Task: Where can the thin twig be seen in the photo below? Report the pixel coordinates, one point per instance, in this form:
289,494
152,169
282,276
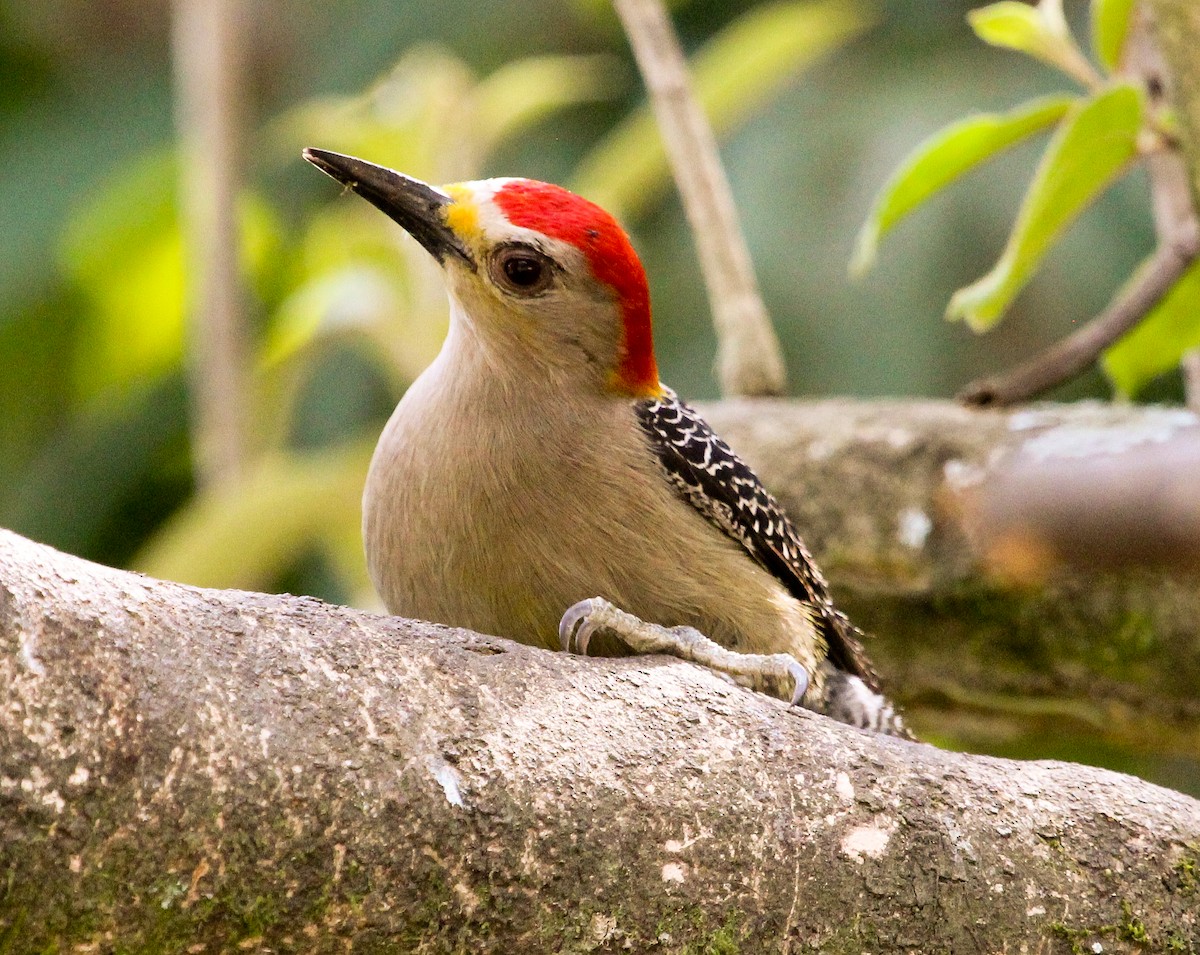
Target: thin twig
1178,232
208,75
749,359
1077,351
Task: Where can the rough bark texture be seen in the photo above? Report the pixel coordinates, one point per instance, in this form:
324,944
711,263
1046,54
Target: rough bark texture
190,770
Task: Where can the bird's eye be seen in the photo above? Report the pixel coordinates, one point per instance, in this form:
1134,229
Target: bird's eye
522,270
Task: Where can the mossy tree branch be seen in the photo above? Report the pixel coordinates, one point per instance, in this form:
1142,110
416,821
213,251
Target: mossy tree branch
198,770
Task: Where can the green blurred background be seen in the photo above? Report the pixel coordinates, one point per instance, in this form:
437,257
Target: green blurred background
93,406
94,440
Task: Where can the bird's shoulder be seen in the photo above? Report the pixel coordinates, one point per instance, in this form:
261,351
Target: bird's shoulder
709,475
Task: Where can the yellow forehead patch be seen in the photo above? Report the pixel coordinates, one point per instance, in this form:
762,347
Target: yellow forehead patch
463,215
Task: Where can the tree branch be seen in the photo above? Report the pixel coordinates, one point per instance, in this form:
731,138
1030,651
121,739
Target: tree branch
1178,237
216,769
749,358
1176,26
1177,29
1066,358
1088,648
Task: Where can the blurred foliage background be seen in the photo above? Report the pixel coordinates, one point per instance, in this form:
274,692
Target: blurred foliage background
94,446
815,106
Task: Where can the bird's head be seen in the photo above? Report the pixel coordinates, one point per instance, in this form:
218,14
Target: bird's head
532,268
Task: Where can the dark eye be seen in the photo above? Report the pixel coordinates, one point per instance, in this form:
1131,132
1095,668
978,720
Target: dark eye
522,270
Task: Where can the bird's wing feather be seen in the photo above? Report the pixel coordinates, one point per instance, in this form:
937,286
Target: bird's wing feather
714,480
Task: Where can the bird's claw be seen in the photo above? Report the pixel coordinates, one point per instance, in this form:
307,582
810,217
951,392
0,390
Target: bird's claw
577,625
800,675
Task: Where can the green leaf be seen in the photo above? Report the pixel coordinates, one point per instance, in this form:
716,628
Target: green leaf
355,299
123,250
733,75
1015,25
1040,31
944,157
1110,27
1093,146
431,117
368,286
1159,341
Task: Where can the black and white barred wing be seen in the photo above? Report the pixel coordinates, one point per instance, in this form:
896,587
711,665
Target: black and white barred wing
714,480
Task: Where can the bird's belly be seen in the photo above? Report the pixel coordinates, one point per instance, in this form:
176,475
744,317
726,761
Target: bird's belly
445,544
485,535
467,563
478,560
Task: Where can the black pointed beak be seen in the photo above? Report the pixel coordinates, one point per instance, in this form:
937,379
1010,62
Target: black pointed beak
416,206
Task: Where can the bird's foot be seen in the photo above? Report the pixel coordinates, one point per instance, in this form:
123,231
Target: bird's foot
776,674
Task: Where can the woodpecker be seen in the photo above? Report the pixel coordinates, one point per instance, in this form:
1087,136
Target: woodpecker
539,482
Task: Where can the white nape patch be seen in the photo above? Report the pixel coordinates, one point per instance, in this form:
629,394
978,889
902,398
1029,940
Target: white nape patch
486,188
494,224
868,842
844,787
912,527
447,777
674,872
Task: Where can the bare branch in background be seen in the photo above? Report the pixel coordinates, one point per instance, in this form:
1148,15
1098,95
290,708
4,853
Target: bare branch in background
749,359
207,45
1066,358
1120,507
888,493
1178,234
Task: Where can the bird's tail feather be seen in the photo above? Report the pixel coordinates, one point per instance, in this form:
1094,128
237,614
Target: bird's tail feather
848,699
